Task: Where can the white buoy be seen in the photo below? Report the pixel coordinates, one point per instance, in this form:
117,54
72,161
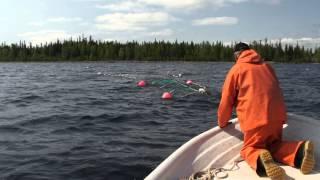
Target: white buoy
202,90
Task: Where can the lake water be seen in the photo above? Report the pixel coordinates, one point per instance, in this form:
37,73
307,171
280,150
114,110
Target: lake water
90,121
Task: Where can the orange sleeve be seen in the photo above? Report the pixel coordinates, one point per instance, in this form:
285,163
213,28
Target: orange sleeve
228,98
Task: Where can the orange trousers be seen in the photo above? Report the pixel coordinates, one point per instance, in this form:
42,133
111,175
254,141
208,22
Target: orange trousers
268,137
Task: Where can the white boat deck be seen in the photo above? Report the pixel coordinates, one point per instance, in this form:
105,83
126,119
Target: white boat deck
245,172
220,148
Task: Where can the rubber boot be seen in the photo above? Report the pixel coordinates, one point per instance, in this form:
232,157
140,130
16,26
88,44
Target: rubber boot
272,170
305,157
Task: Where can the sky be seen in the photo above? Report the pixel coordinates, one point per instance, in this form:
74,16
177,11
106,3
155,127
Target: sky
40,21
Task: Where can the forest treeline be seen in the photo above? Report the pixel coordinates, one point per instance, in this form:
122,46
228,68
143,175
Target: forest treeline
83,49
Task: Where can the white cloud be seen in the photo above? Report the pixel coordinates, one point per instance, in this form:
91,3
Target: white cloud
307,42
190,4
215,21
64,19
138,5
46,36
123,6
174,3
88,1
110,39
272,2
228,43
132,21
162,33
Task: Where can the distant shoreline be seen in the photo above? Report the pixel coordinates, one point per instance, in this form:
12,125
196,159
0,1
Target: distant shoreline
87,49
146,61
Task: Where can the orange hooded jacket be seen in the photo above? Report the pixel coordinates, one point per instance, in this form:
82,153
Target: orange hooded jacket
252,87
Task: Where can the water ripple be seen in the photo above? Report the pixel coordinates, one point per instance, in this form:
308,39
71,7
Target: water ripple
68,121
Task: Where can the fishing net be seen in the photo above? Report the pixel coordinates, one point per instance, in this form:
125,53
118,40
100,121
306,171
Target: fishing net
176,87
173,84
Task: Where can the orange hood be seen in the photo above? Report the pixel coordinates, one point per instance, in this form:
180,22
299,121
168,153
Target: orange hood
249,56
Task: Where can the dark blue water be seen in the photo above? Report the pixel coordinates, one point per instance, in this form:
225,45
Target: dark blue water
89,120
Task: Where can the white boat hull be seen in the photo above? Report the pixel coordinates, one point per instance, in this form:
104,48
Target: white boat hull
220,148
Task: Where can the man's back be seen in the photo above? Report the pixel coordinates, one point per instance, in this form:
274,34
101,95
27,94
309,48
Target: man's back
254,90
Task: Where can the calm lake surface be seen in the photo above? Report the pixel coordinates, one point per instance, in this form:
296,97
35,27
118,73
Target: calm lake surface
90,121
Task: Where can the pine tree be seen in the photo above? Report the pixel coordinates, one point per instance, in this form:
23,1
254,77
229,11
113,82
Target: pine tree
88,49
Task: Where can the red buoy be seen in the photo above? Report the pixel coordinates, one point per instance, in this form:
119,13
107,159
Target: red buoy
189,82
167,95
142,83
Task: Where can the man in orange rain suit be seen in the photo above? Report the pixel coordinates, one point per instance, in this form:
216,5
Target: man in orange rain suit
252,87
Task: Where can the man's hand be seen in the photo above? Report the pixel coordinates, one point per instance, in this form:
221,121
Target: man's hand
225,125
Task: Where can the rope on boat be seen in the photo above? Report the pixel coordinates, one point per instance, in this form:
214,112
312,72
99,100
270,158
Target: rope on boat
214,173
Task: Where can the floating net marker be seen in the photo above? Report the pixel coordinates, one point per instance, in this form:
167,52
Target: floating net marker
172,85
167,96
142,83
177,88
